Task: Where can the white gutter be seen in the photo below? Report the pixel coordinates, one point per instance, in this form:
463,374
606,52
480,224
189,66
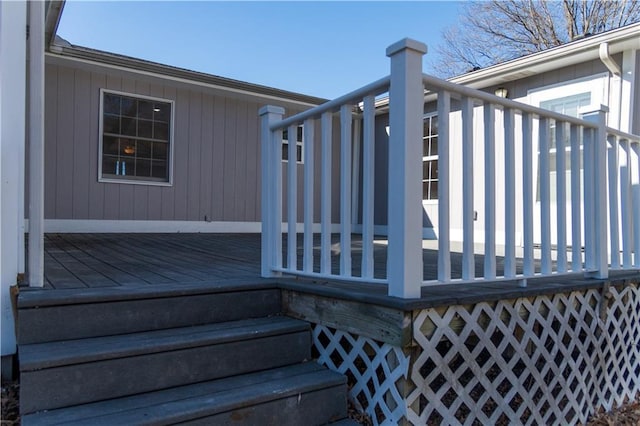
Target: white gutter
574,52
607,60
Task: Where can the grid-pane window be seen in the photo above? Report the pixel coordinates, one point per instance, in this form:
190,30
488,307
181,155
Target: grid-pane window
430,158
136,138
285,145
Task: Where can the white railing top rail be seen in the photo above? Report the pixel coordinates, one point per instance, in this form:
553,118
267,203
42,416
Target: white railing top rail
373,89
623,135
431,81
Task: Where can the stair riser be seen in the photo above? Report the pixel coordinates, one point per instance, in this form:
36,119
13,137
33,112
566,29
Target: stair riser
83,383
54,323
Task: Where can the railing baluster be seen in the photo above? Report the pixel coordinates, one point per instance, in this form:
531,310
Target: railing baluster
345,190
444,238
589,209
545,195
561,196
368,177
509,194
626,205
489,191
468,213
614,224
308,153
355,168
528,268
576,205
635,189
292,198
325,194
276,197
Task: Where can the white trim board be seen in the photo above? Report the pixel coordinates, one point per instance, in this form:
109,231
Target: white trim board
77,226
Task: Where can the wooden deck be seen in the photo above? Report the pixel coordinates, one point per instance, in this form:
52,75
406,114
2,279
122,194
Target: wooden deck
82,268
108,260
141,261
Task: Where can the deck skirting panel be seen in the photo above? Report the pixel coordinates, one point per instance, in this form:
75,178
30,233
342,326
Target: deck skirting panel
545,359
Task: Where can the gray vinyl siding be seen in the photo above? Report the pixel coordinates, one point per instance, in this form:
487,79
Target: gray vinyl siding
216,154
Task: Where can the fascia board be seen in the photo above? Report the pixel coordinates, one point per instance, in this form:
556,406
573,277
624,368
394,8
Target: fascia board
120,63
584,50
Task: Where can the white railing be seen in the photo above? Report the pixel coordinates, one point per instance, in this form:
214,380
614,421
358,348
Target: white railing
356,108
595,224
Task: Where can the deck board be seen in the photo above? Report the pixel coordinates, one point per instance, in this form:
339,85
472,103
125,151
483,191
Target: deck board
85,261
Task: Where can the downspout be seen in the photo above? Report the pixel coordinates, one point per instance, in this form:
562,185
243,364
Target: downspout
608,61
614,118
36,143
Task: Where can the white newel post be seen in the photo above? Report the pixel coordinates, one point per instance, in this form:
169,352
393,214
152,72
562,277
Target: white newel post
595,172
406,102
271,240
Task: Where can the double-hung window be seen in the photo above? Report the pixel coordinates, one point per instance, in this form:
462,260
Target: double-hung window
430,158
135,139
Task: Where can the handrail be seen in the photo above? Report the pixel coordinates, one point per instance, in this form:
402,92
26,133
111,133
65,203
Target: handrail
333,105
488,97
623,135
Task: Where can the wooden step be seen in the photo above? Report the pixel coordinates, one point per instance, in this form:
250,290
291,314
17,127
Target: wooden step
47,315
66,373
302,394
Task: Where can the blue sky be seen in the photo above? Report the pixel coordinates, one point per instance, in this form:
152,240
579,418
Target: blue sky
324,48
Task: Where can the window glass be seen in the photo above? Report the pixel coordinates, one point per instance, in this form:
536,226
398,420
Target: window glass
299,145
430,158
567,105
135,138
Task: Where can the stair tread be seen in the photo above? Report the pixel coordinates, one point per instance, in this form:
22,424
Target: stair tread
33,298
54,354
196,401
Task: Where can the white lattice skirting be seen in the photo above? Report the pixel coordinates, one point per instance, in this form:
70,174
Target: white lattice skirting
543,360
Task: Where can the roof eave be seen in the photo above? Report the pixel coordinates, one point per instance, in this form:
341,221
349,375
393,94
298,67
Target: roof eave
66,50
583,50
53,12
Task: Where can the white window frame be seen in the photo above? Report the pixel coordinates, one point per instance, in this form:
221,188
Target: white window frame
429,157
597,85
299,143
170,150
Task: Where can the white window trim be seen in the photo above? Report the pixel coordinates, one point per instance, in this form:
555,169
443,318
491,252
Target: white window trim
597,85
101,135
285,145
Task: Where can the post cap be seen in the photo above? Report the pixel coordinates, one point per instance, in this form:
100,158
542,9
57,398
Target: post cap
592,109
407,43
271,109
